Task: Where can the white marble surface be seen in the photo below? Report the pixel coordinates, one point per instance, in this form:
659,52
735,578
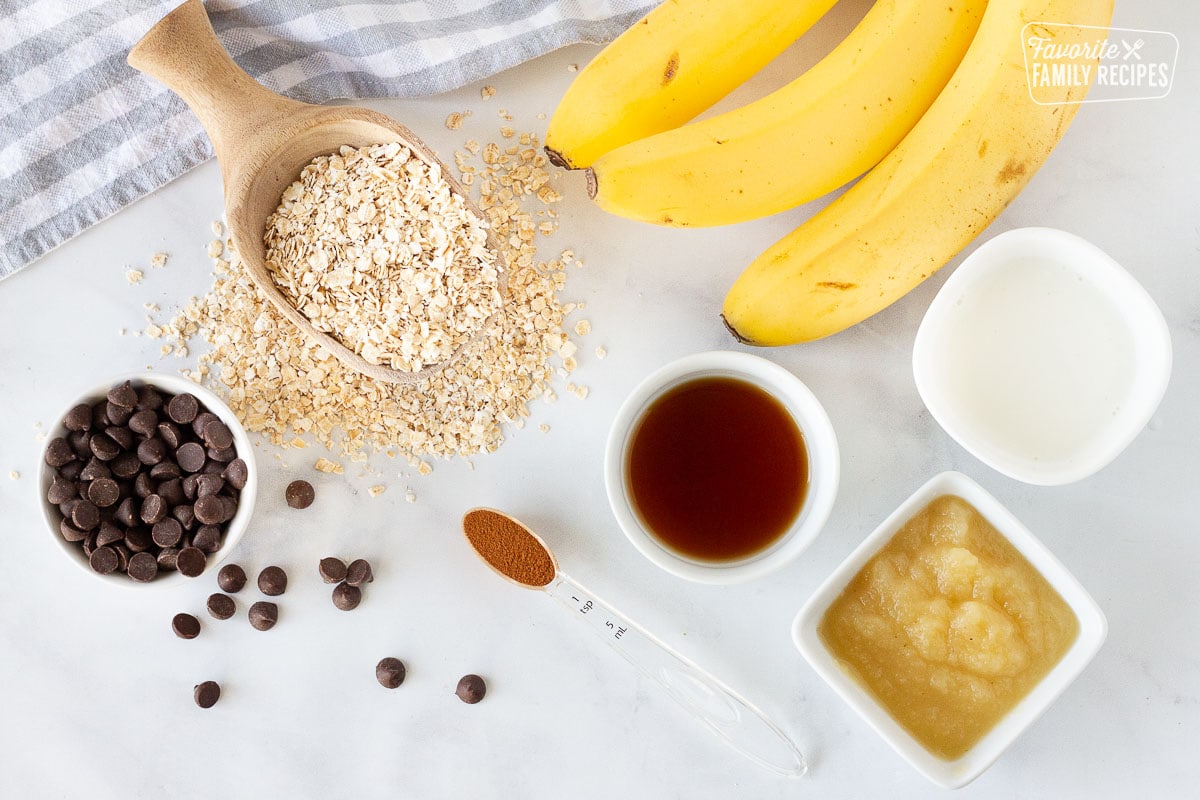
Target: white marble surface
95,691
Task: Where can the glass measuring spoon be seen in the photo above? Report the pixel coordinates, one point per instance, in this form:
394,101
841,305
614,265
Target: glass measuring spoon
519,555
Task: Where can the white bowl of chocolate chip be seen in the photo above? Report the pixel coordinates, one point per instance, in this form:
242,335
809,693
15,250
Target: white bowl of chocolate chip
147,480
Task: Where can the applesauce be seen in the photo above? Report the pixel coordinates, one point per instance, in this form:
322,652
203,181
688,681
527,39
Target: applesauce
948,626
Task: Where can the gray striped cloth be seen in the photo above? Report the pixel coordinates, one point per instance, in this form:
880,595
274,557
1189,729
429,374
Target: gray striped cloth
82,134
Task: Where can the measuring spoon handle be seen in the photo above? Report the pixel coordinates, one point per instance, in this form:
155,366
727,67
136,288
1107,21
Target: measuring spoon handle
183,52
722,710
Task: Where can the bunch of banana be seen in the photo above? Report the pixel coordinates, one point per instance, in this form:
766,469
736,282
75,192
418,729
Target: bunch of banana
823,129
960,166
678,60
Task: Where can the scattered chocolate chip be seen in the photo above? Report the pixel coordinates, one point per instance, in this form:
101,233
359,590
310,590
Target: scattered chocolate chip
231,578
123,395
359,572
471,689
104,560
346,597
300,494
186,626
390,672
207,694
191,561
332,570
272,581
182,408
79,418
263,615
59,452
221,606
142,567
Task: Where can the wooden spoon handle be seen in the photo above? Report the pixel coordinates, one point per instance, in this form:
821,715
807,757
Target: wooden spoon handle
183,52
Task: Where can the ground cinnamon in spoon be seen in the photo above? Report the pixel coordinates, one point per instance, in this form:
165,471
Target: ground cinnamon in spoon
508,547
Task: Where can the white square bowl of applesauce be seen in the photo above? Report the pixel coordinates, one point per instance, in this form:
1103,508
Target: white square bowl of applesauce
950,629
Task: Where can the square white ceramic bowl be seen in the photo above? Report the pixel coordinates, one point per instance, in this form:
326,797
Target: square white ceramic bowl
1042,356
824,463
171,384
1092,629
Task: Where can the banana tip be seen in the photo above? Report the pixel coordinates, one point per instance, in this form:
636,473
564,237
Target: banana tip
734,332
557,158
590,175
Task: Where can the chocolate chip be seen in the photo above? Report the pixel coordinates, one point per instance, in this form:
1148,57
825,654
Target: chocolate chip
104,492
104,560
190,486
201,422
123,556
346,597
182,408
169,433
165,471
207,538
390,672
236,473
144,423
332,570
471,689
221,606
185,626
95,468
191,561
103,447
300,494
272,581
223,456
359,572
109,534
209,484
71,470
171,490
79,418
217,435
149,398
61,491
191,457
85,515
206,694
100,419
127,512
229,507
143,487
151,451
209,510
59,452
123,395
89,544
138,539
70,532
117,414
231,578
167,532
167,558
154,508
185,516
263,615
81,444
126,465
213,467
142,567
122,436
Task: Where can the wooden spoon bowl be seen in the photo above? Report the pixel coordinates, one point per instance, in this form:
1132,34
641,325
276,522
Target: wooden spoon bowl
263,141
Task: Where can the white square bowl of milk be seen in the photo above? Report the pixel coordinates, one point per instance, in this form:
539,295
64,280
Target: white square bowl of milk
1042,356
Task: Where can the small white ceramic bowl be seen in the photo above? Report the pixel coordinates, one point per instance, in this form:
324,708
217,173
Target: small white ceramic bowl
1092,630
824,464
1042,357
171,384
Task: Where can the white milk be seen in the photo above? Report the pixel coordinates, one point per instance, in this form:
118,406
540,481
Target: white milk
1035,360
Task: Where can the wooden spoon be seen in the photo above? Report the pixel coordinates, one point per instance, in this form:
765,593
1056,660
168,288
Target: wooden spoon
263,141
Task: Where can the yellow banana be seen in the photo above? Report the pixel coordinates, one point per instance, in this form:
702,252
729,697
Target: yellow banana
960,166
675,62
821,130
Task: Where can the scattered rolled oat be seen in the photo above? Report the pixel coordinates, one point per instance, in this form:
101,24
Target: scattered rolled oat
325,465
282,385
572,68
544,428
158,260
583,327
410,496
215,248
218,230
134,275
14,475
487,92
601,352
377,490
455,120
374,247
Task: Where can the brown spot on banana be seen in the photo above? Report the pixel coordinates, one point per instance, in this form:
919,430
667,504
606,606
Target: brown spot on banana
672,68
1011,171
983,148
839,285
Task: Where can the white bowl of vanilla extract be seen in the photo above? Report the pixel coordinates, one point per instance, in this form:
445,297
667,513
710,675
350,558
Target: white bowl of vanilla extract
721,467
